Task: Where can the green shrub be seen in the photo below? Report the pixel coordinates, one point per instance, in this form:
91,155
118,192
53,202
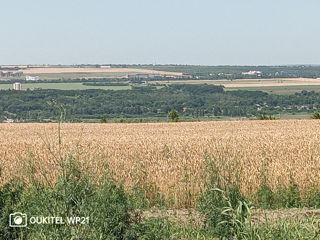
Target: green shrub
264,116
265,196
288,196
103,119
146,195
312,197
157,229
316,114
10,196
222,204
74,195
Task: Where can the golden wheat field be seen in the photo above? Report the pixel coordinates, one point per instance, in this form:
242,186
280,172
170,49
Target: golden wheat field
169,157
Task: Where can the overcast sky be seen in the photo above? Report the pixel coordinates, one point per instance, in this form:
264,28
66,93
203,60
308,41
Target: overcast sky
206,32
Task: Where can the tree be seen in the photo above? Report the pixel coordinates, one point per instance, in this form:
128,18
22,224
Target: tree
264,116
174,115
316,114
103,119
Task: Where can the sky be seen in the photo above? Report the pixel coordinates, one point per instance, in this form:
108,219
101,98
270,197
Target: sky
199,32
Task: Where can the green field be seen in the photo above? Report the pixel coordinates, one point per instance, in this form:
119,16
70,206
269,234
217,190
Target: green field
63,86
281,90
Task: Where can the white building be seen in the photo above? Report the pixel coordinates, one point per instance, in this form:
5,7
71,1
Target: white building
17,86
252,73
31,78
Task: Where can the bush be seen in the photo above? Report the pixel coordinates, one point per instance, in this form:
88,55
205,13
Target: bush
104,205
222,205
156,228
264,116
289,197
265,196
316,114
10,196
312,197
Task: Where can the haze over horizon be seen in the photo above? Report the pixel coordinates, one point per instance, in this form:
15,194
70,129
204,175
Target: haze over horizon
203,32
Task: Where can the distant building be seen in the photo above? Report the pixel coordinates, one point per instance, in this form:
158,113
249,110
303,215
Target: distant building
17,86
252,73
32,78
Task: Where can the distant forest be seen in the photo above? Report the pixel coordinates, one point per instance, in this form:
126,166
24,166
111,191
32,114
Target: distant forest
192,101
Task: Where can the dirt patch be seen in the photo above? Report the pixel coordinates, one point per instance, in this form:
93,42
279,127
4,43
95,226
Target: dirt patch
192,216
179,216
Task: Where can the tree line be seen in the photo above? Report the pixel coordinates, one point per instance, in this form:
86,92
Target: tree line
192,101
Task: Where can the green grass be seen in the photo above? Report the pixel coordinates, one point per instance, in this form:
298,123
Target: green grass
302,115
63,86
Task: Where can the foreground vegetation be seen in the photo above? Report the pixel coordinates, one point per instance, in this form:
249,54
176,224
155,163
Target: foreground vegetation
220,211
114,214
